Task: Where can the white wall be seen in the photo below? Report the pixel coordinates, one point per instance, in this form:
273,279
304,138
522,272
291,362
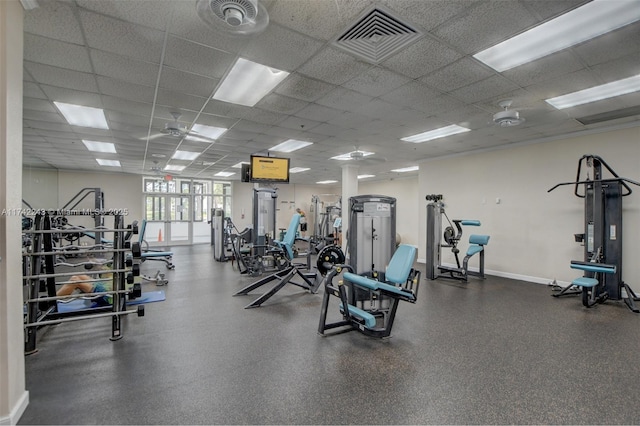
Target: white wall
532,230
40,187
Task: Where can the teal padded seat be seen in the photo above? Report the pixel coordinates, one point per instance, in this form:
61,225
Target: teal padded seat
290,236
598,268
396,273
477,244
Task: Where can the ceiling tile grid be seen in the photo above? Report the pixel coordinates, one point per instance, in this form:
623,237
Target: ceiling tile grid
144,60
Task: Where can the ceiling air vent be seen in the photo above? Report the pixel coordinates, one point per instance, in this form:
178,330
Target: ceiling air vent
376,36
610,115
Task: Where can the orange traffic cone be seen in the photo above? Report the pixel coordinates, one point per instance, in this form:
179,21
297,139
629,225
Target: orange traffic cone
160,235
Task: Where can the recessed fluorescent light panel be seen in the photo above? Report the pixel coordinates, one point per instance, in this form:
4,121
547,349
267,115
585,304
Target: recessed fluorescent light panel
248,82
210,132
298,169
597,93
174,168
185,155
82,116
239,165
224,174
586,22
290,146
100,146
365,176
349,155
323,182
407,169
436,134
111,163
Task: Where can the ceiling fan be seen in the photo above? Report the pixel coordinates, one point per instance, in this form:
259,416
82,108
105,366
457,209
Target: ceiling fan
233,17
507,117
178,130
361,157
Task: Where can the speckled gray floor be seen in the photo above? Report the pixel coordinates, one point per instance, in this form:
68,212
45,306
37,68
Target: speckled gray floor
491,352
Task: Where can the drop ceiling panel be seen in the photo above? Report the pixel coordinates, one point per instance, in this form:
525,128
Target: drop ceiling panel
282,104
486,89
72,96
422,57
343,99
123,38
123,68
197,58
469,33
376,81
32,90
280,48
457,74
545,69
608,47
38,105
61,77
333,66
55,20
176,80
122,89
318,113
176,100
300,87
151,13
298,15
56,53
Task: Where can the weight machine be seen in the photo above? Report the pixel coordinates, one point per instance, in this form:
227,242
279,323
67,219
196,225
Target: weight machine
378,275
602,237
451,237
251,245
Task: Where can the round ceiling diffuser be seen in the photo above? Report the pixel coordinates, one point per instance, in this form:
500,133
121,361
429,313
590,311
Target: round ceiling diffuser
233,17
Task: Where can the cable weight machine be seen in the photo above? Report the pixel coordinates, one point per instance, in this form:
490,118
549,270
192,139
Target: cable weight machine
602,237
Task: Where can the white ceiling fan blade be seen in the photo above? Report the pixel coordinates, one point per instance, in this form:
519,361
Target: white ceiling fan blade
199,137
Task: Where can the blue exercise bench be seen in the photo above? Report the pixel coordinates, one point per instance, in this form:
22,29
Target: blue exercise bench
592,289
283,250
373,314
158,255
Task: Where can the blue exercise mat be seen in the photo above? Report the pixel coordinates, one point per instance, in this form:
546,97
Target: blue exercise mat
84,304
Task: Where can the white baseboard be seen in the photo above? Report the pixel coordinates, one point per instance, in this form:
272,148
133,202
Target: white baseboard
17,411
520,277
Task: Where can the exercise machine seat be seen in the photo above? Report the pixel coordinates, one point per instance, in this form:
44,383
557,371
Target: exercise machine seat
396,273
477,244
590,267
290,236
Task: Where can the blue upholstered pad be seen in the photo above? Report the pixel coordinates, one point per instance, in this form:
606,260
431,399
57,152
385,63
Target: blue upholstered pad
467,222
83,304
369,320
400,264
585,282
474,249
370,284
483,240
595,267
156,254
290,236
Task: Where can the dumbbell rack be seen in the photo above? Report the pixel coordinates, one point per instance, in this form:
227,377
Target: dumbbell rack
40,262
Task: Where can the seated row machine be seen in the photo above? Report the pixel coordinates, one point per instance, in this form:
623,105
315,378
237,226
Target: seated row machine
451,237
367,304
283,252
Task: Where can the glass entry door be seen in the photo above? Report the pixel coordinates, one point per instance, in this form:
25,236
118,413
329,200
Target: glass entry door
169,223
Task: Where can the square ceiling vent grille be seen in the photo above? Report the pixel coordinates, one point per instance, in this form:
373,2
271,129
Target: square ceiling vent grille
376,36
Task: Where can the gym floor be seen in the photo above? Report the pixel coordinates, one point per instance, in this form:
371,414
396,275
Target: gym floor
496,351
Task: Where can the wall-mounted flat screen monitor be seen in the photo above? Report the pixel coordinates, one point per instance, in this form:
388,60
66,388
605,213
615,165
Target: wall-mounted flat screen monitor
269,169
